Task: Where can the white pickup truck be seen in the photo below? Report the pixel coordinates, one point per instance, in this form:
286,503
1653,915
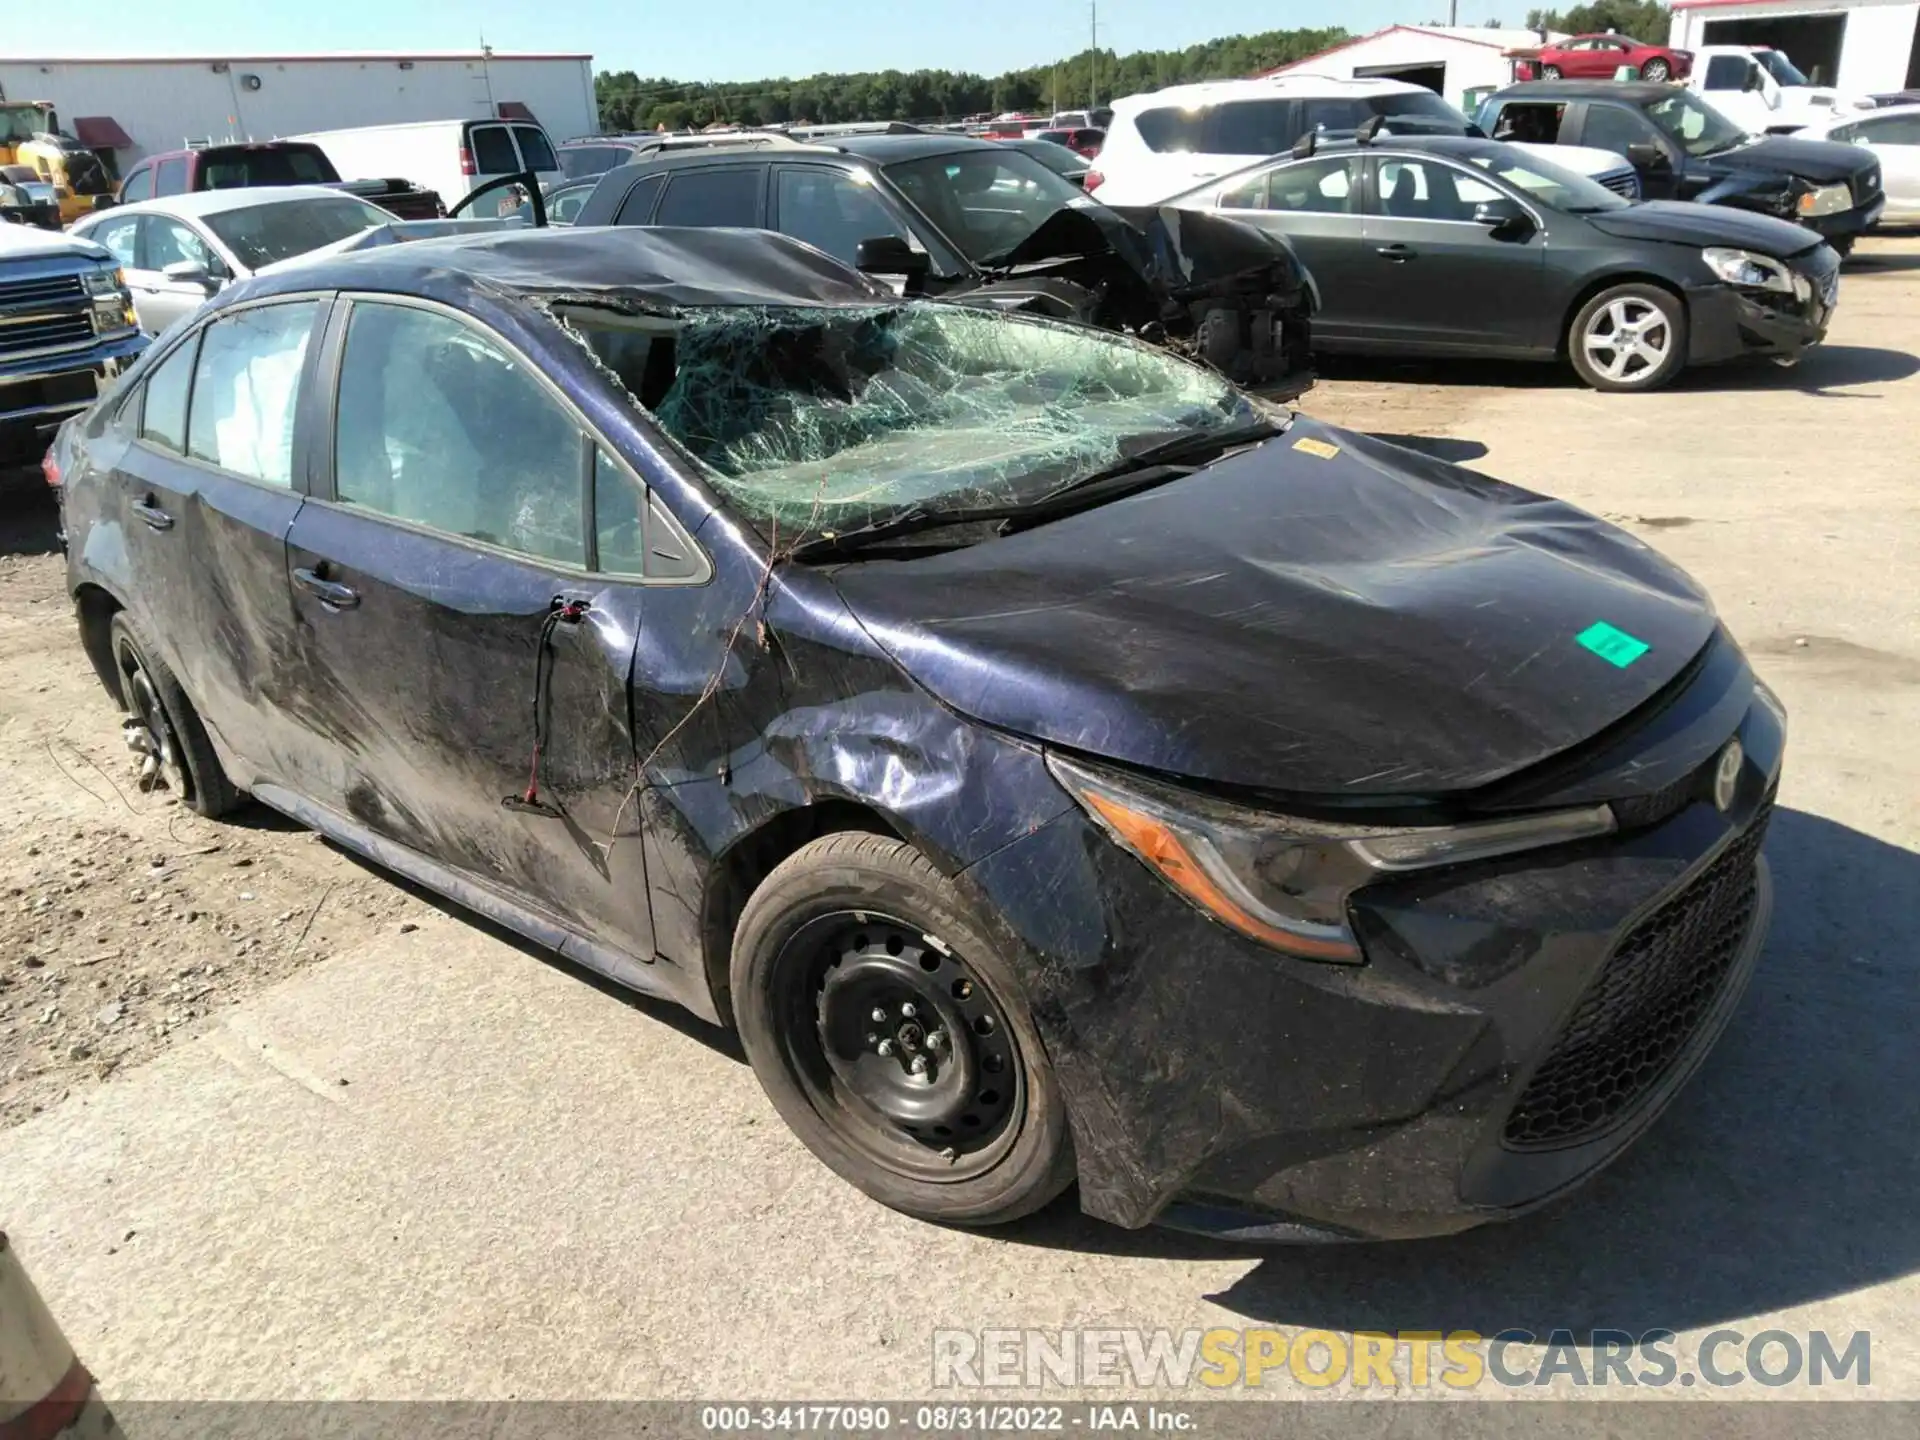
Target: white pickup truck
1762,91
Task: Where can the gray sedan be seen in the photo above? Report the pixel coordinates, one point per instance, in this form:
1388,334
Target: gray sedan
180,249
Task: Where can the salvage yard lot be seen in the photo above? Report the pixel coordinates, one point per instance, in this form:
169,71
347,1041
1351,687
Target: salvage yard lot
278,1127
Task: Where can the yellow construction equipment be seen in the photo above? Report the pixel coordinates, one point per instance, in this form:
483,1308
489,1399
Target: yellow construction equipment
30,134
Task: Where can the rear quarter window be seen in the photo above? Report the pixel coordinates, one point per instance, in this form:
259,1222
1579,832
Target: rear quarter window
1173,131
637,208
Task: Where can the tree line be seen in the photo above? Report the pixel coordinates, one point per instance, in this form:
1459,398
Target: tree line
632,102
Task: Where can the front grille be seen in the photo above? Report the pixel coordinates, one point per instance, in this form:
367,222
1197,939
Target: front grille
1647,1003
44,290
1642,812
1626,182
46,332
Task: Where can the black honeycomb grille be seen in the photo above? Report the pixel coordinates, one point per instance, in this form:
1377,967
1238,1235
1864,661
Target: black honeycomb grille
1647,1003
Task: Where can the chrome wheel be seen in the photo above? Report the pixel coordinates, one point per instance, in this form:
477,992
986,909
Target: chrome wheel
1550,72
146,727
1656,71
1628,340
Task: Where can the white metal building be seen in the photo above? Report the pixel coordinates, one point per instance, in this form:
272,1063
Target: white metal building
1454,61
1864,46
135,106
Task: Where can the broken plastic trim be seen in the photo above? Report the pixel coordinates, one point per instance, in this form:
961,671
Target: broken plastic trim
1285,881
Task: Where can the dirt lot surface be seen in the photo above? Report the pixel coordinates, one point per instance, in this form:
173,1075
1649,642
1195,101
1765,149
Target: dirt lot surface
273,1126
125,919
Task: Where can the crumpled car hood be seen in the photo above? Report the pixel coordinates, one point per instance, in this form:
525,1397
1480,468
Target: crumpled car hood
1370,623
1824,161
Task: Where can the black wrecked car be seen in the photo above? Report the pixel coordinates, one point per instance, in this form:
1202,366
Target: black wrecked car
1450,246
982,223
1057,766
1684,149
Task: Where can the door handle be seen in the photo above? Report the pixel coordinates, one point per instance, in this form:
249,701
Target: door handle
1398,252
331,593
152,514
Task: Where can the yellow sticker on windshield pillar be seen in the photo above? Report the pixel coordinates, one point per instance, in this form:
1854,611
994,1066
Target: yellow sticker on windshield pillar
1317,447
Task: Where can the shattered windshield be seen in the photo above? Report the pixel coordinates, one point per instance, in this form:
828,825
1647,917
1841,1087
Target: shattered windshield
838,419
985,201
1700,129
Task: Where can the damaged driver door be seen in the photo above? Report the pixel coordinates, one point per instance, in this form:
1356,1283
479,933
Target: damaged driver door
466,667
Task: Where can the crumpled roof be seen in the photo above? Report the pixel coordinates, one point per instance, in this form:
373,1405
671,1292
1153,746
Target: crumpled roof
672,266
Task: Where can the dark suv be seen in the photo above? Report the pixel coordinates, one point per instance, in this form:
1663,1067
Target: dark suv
955,218
1684,149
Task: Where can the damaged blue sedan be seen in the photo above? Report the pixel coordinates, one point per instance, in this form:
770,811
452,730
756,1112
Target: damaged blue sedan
1059,767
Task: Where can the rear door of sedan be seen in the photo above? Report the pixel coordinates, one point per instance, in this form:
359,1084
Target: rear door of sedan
1315,206
470,580
208,483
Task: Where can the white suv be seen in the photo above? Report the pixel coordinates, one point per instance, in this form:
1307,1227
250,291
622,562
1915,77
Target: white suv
1166,143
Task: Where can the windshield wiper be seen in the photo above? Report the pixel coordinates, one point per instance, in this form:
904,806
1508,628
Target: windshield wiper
1141,470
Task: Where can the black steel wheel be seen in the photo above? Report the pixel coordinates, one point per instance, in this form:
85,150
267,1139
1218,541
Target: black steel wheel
891,1037
162,727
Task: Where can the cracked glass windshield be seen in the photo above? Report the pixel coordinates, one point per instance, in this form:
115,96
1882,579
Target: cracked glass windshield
840,419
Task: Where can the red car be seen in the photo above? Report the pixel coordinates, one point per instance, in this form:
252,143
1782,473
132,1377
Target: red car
1083,142
1598,57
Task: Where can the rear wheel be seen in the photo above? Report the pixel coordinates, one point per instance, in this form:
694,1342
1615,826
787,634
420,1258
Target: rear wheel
1549,72
1629,338
890,1036
1656,70
160,724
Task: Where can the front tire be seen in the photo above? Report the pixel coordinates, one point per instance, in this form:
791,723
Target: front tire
892,1038
1656,70
1629,338
1549,72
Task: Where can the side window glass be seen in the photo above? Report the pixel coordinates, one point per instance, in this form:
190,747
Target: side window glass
1331,113
171,178
1727,72
439,425
139,186
1319,187
1248,194
171,243
634,533
831,211
1529,124
1253,127
1422,190
1173,131
163,413
713,197
637,209
245,383
1613,127
493,152
120,236
536,151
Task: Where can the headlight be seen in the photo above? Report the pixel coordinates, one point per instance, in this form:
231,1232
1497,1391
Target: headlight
111,313
1743,267
1827,200
1285,881
104,281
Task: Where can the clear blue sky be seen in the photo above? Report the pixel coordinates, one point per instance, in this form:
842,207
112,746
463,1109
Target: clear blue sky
707,39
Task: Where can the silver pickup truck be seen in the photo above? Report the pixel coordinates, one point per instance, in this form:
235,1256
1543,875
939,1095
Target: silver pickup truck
66,332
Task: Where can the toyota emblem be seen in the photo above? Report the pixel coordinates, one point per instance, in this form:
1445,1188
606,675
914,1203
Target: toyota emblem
1726,779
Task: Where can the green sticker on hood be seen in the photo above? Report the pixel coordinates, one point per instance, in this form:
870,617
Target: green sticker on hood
1612,645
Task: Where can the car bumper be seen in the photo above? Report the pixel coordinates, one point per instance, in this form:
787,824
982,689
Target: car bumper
1849,223
38,392
1729,323
1517,1024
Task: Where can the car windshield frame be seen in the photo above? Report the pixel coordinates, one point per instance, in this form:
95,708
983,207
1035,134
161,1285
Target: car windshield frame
830,420
1553,186
1717,133
256,250
929,184
1783,70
